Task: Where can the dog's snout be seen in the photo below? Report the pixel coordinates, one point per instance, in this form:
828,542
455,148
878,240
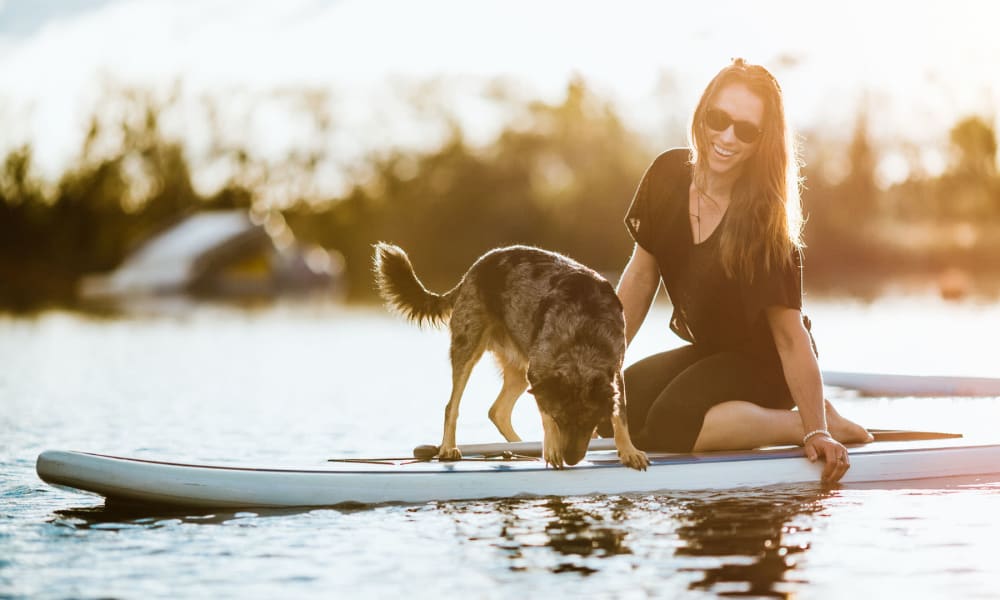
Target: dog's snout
574,456
576,449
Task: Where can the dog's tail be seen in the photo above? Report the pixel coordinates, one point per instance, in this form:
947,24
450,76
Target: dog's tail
398,285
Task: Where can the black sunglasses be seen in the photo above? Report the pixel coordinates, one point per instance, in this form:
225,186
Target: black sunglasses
719,120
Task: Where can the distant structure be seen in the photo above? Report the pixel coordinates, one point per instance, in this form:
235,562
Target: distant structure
221,254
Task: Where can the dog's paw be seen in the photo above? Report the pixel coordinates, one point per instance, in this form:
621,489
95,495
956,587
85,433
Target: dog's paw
553,457
452,453
635,459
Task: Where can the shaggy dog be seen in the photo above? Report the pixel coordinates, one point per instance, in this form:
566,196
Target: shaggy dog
549,321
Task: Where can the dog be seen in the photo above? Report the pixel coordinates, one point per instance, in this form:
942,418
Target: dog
551,323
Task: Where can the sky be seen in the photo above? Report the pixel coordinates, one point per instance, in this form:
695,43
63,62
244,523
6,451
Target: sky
919,66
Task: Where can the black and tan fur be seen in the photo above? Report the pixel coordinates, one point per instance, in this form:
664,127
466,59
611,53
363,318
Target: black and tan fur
549,321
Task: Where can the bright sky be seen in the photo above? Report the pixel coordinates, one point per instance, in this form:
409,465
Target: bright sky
922,65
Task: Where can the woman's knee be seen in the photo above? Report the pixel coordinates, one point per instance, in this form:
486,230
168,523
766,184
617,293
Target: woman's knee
653,373
646,379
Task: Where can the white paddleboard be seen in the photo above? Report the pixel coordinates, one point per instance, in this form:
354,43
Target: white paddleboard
887,384
332,483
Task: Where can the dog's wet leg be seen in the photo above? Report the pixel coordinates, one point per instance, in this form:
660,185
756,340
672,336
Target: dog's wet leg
514,383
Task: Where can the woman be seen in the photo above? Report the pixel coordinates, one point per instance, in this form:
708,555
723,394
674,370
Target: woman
720,224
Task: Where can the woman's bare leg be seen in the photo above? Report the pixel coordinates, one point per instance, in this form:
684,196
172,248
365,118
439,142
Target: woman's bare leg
740,425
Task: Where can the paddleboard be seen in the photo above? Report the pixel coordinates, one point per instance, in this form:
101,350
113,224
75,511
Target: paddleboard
504,476
887,384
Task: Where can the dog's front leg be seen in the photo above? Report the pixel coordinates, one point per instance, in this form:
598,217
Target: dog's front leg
551,442
627,452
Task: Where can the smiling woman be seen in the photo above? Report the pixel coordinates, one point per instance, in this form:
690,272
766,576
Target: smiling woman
732,270
740,130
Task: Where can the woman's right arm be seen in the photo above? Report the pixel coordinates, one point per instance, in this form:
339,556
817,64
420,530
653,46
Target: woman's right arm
637,289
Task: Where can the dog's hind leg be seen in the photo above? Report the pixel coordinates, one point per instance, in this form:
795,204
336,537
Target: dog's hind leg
467,346
515,381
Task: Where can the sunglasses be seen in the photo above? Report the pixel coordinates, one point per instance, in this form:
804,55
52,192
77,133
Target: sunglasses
719,120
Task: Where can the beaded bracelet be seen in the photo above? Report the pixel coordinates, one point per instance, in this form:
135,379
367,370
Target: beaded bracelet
813,434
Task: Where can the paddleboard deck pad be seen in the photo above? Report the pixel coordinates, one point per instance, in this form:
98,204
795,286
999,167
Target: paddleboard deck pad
376,481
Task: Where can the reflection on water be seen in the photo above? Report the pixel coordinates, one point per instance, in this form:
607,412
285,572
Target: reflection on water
574,532
124,515
571,532
756,529
744,543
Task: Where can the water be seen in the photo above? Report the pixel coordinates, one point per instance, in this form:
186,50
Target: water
294,383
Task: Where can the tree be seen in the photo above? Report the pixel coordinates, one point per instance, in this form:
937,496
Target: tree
975,146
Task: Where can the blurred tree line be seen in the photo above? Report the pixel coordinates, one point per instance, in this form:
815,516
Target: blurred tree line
559,179
943,228
558,176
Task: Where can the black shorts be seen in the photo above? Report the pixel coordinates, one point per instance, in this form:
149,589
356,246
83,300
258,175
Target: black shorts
668,394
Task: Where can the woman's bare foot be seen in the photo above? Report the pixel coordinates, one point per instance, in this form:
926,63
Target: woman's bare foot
844,430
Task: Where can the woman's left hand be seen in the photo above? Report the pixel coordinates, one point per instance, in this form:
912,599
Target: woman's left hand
833,453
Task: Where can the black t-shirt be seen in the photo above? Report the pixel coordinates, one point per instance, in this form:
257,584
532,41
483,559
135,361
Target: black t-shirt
711,309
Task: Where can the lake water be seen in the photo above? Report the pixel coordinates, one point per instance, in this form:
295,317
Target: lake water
293,383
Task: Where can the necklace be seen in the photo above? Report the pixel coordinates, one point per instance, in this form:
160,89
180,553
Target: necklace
697,208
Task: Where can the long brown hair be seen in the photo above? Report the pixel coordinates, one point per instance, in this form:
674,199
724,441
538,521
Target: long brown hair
765,212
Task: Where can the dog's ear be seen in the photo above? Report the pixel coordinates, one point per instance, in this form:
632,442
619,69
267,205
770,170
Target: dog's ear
549,383
603,388
539,385
534,381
